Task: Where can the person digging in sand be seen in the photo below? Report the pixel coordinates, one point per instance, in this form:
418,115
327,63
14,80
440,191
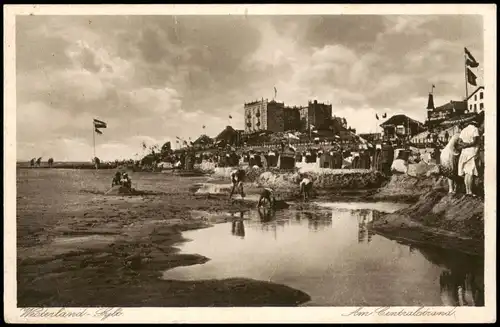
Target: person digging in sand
267,195
116,179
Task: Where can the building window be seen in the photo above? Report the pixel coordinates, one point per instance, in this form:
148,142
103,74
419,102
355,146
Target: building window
481,95
475,107
470,107
481,106
475,97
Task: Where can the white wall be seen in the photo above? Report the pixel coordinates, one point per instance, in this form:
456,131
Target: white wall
475,103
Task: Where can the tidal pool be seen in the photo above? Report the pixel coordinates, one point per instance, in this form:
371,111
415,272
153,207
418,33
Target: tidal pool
332,255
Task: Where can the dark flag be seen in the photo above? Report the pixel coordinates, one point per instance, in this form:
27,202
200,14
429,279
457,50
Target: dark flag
471,78
384,115
204,126
472,64
470,60
376,116
98,131
99,124
230,117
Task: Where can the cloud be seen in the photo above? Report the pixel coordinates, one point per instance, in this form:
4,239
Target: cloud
164,76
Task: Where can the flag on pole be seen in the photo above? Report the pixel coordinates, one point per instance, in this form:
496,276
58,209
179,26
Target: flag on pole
204,126
275,91
291,136
99,124
384,115
230,117
470,60
471,78
376,116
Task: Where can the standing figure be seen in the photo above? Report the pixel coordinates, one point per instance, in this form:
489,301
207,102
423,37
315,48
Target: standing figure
38,161
306,187
237,177
469,143
387,156
448,166
50,162
32,163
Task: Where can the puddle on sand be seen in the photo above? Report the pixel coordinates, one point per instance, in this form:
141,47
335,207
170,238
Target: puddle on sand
333,256
215,217
208,188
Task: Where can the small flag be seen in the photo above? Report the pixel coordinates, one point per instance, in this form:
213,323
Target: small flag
230,117
384,115
98,131
312,127
275,91
99,124
471,78
376,116
203,126
291,136
470,60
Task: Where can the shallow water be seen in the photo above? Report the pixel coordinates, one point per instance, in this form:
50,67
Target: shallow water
333,256
388,207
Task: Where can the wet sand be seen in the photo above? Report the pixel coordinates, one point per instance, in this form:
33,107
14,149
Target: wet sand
79,247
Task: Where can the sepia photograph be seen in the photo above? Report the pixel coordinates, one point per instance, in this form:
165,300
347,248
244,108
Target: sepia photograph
225,157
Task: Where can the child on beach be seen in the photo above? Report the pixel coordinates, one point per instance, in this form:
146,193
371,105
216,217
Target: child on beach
237,177
267,194
305,187
116,179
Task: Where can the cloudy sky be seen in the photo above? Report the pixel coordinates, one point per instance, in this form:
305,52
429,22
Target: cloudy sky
152,78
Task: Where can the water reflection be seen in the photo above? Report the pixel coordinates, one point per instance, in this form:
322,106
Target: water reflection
460,284
238,226
266,215
365,234
332,255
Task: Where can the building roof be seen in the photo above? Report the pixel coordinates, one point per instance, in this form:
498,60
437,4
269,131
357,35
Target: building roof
452,105
227,134
475,91
203,139
459,119
400,120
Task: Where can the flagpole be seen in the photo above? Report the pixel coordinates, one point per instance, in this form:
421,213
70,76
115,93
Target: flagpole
93,136
466,86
